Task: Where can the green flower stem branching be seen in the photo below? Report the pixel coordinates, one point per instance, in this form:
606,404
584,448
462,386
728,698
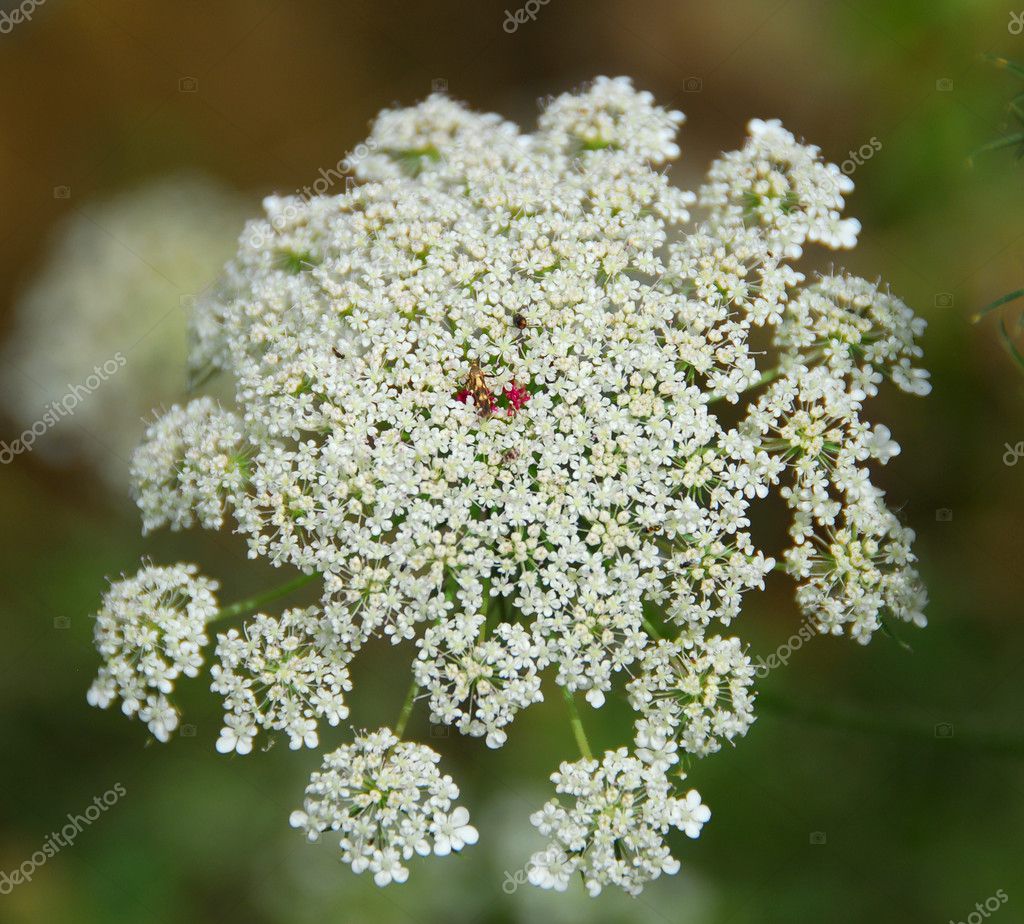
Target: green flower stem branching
254,602
403,716
577,725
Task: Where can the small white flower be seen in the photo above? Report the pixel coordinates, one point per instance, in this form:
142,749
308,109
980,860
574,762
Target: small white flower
881,445
691,814
452,832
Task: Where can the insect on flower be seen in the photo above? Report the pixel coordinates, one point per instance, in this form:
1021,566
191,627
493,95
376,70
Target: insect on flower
476,388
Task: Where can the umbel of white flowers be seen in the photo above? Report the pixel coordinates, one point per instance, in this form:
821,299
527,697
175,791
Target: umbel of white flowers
478,405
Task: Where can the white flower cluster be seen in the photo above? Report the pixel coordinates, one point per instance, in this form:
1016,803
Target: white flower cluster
150,630
479,686
614,832
389,802
479,398
691,695
118,281
782,187
193,458
281,675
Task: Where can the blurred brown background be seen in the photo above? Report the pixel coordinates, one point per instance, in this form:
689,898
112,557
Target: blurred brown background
878,784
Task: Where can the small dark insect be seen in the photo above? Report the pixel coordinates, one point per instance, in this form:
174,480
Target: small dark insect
371,442
337,353
519,321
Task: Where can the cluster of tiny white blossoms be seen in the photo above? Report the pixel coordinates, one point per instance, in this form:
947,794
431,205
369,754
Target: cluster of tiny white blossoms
151,630
691,696
614,833
478,403
388,801
281,675
116,285
479,686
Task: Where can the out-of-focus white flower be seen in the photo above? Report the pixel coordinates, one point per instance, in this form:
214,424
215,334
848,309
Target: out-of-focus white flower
118,282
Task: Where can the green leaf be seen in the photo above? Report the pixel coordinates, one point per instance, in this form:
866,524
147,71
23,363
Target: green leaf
999,143
1018,357
999,302
1004,64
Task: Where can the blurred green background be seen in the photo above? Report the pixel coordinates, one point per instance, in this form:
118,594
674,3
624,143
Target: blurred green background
877,785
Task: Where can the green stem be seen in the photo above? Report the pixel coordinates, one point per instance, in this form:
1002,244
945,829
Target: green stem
577,725
252,603
652,629
403,716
